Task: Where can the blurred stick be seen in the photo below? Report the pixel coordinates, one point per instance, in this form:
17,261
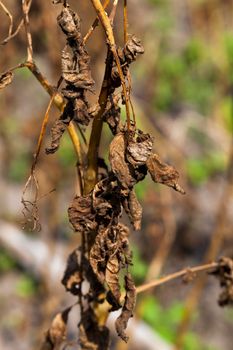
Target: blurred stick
125,21
169,234
95,24
211,254
26,8
7,12
185,272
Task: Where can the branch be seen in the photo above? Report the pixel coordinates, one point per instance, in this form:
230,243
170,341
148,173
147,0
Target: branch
26,8
7,12
125,22
93,150
95,24
110,36
185,272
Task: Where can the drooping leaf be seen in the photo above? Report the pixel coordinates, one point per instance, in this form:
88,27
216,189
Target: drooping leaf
163,173
128,307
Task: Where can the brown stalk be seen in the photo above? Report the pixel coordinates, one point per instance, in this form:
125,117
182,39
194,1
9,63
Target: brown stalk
95,24
211,254
182,273
93,150
26,8
125,21
110,36
7,12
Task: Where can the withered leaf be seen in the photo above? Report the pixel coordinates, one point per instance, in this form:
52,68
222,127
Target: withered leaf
112,279
133,48
80,214
56,334
72,274
69,22
224,272
133,209
112,114
117,160
56,132
6,79
92,336
128,307
138,151
163,173
98,254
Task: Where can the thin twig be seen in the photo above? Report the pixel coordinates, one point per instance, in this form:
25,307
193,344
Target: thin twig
26,7
175,275
113,12
5,41
95,24
93,150
42,132
125,21
7,12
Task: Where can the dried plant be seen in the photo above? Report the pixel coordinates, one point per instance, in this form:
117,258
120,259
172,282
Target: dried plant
104,256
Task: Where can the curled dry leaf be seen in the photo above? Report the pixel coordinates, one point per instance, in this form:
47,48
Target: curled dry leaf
140,149
163,173
133,48
224,272
118,163
112,279
69,22
112,114
128,307
56,334
98,254
6,79
80,214
133,209
56,132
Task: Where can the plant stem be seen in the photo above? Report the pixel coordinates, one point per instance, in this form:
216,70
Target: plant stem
93,150
175,275
110,36
59,103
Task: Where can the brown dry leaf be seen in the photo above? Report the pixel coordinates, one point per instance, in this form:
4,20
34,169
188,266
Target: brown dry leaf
133,209
92,336
112,279
128,307
56,334
56,132
72,275
224,272
6,79
117,160
133,48
69,22
80,214
81,111
112,114
98,254
138,151
163,173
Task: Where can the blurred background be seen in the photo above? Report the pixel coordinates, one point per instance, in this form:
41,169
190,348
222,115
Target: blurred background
183,95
